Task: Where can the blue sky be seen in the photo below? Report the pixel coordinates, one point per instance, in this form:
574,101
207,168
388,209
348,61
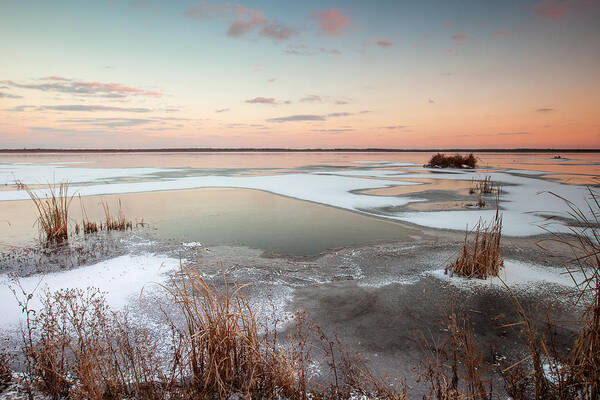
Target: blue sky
299,74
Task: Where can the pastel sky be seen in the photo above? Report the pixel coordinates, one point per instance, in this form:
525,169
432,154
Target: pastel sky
275,73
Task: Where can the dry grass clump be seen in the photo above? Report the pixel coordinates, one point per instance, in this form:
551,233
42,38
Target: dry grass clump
115,223
440,160
5,372
480,258
455,369
53,212
77,348
87,225
584,359
222,348
482,186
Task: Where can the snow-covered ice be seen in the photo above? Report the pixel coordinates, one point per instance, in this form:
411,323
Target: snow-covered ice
516,274
526,199
121,278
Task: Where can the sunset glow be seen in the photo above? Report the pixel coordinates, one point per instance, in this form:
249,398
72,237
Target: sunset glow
301,74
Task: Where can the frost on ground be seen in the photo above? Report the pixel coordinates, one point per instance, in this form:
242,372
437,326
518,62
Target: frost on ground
121,278
515,275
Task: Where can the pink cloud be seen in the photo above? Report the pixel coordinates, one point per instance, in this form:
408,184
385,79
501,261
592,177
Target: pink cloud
332,22
459,36
56,78
65,85
246,20
383,43
262,100
552,9
242,20
500,32
277,31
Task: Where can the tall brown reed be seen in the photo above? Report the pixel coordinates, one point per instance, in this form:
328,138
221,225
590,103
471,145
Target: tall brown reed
53,212
584,359
455,369
480,257
115,223
223,349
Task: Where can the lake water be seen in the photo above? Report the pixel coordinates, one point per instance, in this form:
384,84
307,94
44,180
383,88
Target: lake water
294,203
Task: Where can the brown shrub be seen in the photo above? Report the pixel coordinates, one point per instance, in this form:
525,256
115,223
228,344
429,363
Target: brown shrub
440,160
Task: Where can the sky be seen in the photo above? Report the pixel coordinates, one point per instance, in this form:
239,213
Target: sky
300,74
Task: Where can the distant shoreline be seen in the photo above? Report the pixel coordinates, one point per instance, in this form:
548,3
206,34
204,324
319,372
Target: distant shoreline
284,150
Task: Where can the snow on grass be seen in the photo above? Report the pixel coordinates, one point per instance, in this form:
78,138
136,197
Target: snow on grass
191,244
515,274
122,278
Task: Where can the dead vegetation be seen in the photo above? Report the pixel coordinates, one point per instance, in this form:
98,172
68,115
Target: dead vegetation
53,215
115,223
455,370
5,372
483,186
53,212
77,348
480,257
440,160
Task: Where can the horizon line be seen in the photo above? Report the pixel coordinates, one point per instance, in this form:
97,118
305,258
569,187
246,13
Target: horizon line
293,150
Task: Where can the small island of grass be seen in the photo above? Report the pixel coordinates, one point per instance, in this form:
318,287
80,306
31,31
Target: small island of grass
441,160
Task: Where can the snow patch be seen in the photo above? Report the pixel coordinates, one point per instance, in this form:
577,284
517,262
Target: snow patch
121,278
515,274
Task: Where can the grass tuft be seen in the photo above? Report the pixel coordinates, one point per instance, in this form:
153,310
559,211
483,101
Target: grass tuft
114,223
480,257
53,212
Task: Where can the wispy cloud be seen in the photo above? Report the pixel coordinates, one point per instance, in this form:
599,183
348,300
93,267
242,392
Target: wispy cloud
311,98
333,130
545,110
300,117
383,43
313,117
511,133
340,114
329,51
277,31
9,96
262,100
303,50
222,110
332,22
459,36
242,20
500,32
79,107
394,127
65,85
553,9
110,122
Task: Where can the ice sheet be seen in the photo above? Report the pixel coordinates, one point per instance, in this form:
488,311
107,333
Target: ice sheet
526,199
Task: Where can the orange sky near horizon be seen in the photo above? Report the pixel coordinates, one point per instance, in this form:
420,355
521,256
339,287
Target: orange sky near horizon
352,74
